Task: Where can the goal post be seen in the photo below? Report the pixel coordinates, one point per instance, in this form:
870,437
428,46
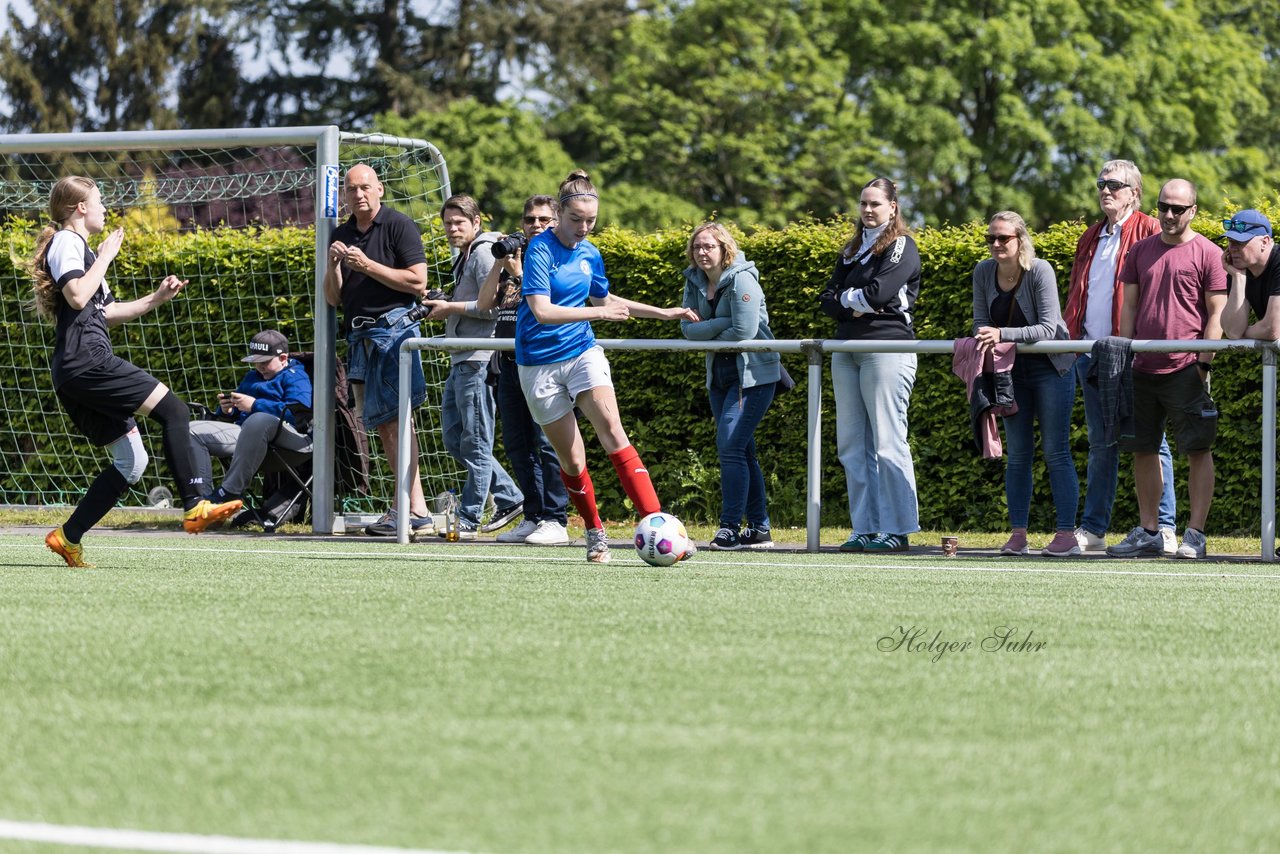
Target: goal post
246,215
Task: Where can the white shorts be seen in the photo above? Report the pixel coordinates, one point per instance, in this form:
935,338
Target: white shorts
550,390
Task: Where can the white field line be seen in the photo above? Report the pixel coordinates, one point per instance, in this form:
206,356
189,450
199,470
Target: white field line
180,843
455,554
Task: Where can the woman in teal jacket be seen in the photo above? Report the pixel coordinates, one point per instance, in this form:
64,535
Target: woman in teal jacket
724,288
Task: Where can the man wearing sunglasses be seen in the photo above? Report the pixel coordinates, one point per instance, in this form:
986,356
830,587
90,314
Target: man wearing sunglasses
533,461
1253,269
1094,298
1174,289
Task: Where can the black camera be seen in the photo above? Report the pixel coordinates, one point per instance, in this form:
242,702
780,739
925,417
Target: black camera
419,312
510,245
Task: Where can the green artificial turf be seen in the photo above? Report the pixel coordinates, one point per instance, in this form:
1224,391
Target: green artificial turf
514,699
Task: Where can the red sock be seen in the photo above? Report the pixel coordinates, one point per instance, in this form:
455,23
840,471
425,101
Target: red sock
635,480
583,495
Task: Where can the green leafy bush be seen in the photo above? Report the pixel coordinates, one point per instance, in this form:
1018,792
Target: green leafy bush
663,401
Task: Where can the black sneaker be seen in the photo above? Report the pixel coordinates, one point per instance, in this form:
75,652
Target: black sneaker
221,496
725,540
502,517
755,538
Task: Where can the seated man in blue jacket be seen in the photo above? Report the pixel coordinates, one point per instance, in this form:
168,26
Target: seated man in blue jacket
270,407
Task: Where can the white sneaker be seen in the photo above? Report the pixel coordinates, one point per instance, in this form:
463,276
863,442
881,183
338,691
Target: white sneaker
1169,540
518,534
1089,541
1194,545
548,533
597,546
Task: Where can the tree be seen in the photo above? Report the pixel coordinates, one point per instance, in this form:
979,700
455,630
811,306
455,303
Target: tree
89,66
1015,103
211,90
740,113
362,58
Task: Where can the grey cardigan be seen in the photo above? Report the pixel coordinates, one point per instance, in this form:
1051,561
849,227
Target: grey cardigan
1038,299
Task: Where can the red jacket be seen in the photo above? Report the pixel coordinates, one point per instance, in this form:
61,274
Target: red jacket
1135,228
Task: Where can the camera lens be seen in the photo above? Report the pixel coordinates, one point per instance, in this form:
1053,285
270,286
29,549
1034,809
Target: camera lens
509,245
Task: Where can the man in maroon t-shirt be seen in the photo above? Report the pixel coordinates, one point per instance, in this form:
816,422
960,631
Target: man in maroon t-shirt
1174,289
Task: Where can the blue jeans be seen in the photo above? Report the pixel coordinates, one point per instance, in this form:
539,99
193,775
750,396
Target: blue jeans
1104,465
872,392
466,419
738,412
533,460
1045,397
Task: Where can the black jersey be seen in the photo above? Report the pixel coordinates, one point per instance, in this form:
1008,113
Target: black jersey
82,339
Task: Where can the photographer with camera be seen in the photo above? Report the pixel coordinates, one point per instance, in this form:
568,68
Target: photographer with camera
533,460
467,410
377,271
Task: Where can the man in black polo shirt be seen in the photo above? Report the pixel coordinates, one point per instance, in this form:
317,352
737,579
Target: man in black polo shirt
1253,274
376,271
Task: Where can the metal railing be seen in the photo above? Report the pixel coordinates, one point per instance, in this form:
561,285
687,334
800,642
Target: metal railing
815,350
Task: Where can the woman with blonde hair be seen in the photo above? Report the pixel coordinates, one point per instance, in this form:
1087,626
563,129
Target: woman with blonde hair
101,392
1015,299
561,366
723,287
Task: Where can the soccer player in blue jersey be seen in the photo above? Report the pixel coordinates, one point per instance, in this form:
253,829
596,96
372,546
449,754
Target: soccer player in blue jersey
560,364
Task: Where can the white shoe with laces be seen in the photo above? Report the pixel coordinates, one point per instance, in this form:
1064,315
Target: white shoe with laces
597,546
548,532
519,534
1169,541
1089,541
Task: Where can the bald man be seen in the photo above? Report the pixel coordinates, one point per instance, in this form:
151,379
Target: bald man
1174,288
376,271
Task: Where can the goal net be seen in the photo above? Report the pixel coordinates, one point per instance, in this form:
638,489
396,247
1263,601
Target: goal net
238,219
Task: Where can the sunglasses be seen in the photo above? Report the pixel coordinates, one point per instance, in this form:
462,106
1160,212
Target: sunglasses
1242,227
1113,186
1002,239
1176,210
541,220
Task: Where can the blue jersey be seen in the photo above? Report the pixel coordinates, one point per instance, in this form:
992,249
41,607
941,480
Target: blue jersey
568,277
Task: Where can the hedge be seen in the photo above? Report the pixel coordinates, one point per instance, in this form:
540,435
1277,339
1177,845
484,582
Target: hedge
266,278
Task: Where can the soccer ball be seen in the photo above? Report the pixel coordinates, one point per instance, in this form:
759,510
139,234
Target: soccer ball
661,539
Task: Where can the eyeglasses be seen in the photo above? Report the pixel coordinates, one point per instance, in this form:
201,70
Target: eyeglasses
1176,210
1113,186
1002,239
1242,227
541,220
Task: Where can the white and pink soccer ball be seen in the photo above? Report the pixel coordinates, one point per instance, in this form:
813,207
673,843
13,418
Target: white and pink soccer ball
661,539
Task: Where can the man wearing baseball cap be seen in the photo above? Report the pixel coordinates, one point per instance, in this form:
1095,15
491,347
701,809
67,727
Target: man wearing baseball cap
1253,275
270,407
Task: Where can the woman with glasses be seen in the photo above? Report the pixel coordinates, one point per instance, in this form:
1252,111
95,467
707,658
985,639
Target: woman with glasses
723,287
1094,298
1015,299
561,366
870,296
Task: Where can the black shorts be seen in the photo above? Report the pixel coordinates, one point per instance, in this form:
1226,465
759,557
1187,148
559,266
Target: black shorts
1181,400
102,400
